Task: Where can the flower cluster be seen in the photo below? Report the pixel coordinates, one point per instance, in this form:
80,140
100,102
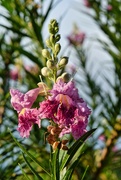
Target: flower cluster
63,106
64,109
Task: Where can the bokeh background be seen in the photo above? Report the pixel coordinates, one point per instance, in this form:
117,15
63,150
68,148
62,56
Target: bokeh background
90,36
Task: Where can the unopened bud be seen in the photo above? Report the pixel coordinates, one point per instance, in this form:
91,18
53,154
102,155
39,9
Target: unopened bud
50,28
64,147
66,77
43,88
50,64
57,38
64,141
48,43
57,48
59,77
53,22
52,39
56,29
51,139
45,71
63,62
49,128
55,145
46,54
55,131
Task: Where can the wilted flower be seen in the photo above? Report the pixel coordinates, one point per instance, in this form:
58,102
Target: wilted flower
66,109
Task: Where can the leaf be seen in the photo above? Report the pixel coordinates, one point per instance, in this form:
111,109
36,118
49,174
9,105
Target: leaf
23,172
55,164
68,174
32,169
74,148
84,172
15,30
30,155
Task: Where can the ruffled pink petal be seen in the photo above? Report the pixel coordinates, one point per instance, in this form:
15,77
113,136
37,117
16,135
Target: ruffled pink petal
27,118
20,100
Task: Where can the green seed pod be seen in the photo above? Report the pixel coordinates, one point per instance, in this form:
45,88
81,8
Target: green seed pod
46,54
45,71
63,62
50,64
57,48
66,77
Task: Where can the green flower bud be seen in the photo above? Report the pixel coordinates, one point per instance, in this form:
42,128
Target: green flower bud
51,30
46,71
53,26
53,21
57,48
57,38
56,29
52,39
63,62
46,54
50,64
48,43
66,77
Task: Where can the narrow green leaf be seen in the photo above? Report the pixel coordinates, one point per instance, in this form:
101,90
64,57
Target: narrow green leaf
84,172
74,148
55,164
31,168
15,30
69,172
23,172
30,155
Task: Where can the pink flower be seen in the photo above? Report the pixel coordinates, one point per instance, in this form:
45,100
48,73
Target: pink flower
76,38
66,109
87,3
109,7
20,100
102,137
14,74
22,104
27,117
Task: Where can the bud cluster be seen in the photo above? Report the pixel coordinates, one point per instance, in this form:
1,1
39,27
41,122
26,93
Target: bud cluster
51,53
53,137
